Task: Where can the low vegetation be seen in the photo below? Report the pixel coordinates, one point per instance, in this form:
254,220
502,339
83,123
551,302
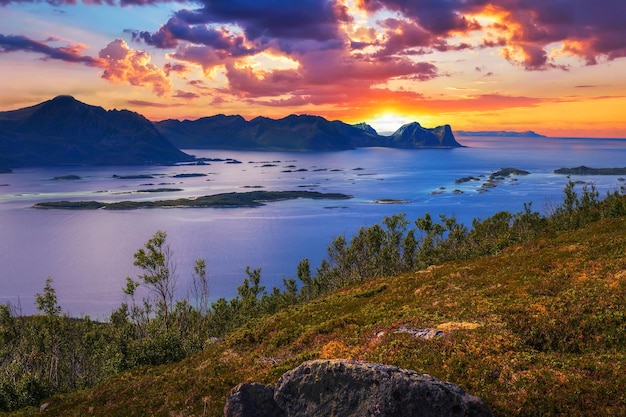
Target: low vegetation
532,308
246,199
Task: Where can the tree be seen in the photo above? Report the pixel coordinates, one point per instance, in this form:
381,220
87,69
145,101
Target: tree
200,286
47,302
159,272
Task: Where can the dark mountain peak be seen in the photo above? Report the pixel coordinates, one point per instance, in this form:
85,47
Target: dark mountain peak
64,99
408,128
64,130
413,135
367,128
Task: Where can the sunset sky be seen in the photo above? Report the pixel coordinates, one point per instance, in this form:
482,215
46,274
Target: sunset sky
554,66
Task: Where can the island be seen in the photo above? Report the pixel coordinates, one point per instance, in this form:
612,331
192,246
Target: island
583,170
224,200
500,133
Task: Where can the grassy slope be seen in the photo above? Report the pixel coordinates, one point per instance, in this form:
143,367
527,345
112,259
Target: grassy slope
539,329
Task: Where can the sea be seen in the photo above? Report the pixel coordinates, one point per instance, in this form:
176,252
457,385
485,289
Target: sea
89,253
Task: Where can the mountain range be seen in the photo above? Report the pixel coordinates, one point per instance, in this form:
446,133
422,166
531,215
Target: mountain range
501,133
65,131
296,133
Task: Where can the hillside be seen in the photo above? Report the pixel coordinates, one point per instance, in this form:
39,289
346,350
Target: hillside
66,131
538,329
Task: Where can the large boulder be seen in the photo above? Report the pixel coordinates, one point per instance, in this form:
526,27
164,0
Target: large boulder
252,400
350,388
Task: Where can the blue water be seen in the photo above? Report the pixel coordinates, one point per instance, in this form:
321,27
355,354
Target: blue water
89,253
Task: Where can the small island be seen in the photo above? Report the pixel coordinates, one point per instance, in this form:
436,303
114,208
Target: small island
66,178
192,175
224,200
390,201
583,170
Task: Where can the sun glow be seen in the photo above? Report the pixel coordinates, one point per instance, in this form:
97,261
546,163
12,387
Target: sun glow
389,122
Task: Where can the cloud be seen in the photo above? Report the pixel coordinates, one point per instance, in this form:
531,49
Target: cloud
273,19
124,64
526,29
187,95
70,53
176,30
160,105
177,68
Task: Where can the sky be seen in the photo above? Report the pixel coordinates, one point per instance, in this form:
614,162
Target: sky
557,67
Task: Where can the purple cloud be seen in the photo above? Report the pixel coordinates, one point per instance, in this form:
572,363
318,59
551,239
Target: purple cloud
70,53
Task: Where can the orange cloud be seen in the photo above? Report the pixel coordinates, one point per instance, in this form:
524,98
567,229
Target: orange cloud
124,64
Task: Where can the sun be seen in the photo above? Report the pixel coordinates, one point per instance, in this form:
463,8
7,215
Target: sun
388,122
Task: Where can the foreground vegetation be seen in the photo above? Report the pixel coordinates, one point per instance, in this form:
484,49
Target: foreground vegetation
533,309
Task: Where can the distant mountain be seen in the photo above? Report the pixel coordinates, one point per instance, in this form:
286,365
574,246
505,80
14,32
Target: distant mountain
295,133
364,126
66,131
500,133
292,133
413,135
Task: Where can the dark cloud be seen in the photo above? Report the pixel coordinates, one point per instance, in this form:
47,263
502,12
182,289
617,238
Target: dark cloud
177,68
273,19
142,103
176,30
70,53
187,95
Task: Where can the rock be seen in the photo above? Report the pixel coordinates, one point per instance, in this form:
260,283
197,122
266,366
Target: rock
252,400
345,388
420,333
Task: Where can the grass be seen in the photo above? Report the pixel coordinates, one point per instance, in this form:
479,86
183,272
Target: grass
537,330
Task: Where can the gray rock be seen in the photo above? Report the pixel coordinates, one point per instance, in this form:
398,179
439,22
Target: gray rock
350,388
252,400
420,333
344,388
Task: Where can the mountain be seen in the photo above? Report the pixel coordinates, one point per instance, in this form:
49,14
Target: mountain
500,133
295,133
413,135
66,131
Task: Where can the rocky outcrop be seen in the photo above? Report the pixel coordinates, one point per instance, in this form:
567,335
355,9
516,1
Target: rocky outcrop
252,399
345,388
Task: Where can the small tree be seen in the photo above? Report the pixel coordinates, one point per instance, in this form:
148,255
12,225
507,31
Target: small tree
159,272
200,286
47,302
